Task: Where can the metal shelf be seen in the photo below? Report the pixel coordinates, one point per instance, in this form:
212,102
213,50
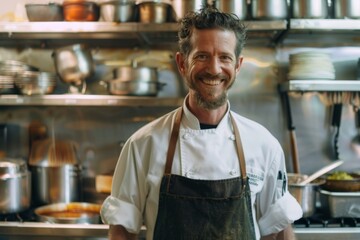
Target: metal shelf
50,34
87,100
325,24
320,86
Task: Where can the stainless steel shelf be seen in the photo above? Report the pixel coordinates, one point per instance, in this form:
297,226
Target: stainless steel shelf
320,85
325,24
88,100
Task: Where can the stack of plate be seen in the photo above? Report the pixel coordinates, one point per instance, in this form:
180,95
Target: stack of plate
311,66
7,85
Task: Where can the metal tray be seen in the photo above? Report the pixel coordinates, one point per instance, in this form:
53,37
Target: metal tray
341,204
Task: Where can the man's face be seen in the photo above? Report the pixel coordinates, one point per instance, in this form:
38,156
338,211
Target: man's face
211,66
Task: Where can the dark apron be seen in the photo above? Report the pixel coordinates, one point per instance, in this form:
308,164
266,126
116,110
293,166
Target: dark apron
204,209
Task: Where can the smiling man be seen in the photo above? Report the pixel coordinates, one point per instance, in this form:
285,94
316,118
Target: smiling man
203,171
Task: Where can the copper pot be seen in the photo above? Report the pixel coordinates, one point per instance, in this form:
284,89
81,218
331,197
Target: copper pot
77,10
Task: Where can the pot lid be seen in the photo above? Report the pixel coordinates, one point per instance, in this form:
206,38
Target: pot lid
12,166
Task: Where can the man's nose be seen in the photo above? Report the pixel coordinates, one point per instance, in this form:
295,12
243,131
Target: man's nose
214,66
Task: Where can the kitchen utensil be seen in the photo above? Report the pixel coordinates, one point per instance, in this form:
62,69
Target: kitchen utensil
118,11
321,172
74,212
340,204
35,83
310,9
182,7
154,12
74,64
336,120
291,128
238,7
79,10
15,186
355,141
44,12
269,9
346,8
305,194
343,185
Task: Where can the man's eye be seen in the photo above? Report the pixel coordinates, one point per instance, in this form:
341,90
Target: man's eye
201,57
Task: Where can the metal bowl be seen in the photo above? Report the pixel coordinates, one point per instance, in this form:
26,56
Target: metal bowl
35,83
44,12
118,11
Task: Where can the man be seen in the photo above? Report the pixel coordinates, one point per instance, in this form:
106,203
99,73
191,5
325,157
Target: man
203,171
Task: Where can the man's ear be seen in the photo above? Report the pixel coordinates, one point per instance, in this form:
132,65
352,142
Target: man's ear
238,64
180,62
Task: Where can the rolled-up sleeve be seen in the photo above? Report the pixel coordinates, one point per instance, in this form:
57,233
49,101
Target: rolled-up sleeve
279,215
277,207
125,204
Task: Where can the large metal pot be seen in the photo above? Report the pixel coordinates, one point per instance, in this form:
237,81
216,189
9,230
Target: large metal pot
15,186
238,7
73,63
182,7
56,184
118,10
346,8
74,212
310,9
269,9
133,73
154,12
306,195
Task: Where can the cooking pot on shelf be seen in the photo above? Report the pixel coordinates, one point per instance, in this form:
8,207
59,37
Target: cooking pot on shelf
238,7
346,8
118,10
182,7
73,212
15,186
269,9
310,9
304,194
74,64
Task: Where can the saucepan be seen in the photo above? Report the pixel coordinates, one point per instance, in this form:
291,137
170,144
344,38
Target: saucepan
305,194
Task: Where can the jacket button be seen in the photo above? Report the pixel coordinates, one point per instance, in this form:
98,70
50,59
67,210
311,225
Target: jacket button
186,136
232,137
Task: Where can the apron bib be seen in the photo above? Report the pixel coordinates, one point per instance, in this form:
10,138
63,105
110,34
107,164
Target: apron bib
204,209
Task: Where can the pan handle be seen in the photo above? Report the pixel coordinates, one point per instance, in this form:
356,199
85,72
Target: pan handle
291,128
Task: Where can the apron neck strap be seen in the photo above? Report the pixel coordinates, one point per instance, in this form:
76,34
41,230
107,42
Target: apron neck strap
174,137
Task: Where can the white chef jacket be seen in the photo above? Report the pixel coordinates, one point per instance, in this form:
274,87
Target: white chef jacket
200,154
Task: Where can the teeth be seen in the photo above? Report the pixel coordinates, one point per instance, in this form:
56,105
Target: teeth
212,82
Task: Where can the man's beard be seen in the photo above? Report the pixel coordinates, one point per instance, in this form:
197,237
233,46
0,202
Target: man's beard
216,103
